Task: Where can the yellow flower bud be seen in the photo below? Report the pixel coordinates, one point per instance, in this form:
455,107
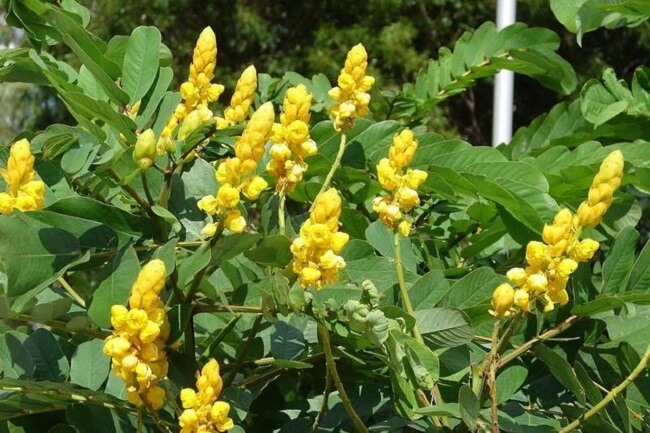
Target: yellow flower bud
407,198
560,297
209,230
235,222
537,283
227,197
242,98
118,316
517,276
503,299
188,398
209,204
537,254
404,228
309,276
144,151
156,397
521,299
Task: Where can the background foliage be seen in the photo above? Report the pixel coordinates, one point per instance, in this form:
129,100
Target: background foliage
481,206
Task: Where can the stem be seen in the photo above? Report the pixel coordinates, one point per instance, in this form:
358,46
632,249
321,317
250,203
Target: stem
134,194
329,359
326,395
566,324
612,394
250,381
73,294
145,186
402,286
335,166
492,378
226,309
244,351
154,415
139,420
282,196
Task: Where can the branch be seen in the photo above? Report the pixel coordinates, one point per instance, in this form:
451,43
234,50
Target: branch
612,394
331,365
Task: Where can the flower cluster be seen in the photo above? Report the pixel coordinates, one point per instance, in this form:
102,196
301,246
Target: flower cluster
291,140
203,411
23,192
137,346
237,174
402,182
550,263
315,251
351,95
198,91
241,100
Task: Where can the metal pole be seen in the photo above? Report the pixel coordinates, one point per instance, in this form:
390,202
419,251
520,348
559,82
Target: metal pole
503,83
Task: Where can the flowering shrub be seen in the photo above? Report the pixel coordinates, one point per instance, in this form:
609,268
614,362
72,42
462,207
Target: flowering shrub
310,257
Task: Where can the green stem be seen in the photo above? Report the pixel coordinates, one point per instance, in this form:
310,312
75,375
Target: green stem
145,186
402,286
331,365
335,166
70,291
492,377
643,364
61,326
323,406
566,324
244,351
227,309
281,218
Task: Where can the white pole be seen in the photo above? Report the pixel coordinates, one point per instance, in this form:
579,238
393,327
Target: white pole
503,82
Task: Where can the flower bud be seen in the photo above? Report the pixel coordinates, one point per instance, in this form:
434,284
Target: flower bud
502,299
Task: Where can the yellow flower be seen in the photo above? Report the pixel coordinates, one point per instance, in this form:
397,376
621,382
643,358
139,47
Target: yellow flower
351,95
23,192
315,251
236,174
241,99
551,263
197,92
139,336
605,183
502,300
392,209
203,412
291,138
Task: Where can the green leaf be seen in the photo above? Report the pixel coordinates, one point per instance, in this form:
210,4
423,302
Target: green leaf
189,267
33,253
115,281
639,280
619,261
140,62
441,409
287,342
429,289
469,406
151,104
272,251
444,327
90,366
51,363
15,360
509,381
561,370
169,217
92,109
473,289
382,240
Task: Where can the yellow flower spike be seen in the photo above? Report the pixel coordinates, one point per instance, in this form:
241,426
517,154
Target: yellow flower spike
139,336
23,192
350,96
315,250
204,59
502,300
392,209
242,98
605,183
203,412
